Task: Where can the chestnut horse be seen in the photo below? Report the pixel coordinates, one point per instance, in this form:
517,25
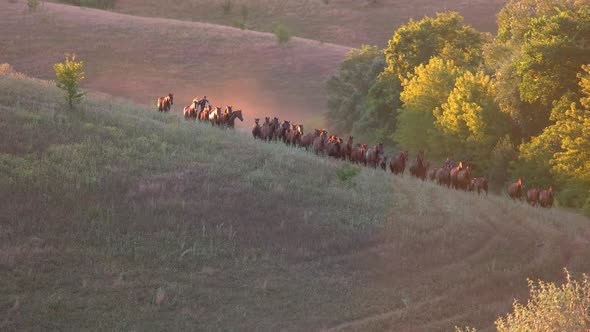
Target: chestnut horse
319,143
480,184
215,116
464,178
204,115
397,165
374,155
546,198
515,190
418,167
453,174
164,103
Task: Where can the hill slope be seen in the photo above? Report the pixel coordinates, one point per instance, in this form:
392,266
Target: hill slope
143,58
345,22
120,218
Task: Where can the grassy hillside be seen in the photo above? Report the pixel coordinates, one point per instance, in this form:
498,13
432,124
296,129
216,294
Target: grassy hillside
118,217
345,22
143,58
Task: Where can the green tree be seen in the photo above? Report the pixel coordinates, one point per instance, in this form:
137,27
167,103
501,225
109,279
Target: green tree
470,120
540,47
347,91
69,74
282,33
444,36
427,89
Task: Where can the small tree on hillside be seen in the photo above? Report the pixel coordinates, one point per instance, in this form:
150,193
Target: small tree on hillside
69,74
282,32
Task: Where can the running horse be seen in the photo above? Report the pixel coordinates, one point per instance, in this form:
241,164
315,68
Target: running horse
164,103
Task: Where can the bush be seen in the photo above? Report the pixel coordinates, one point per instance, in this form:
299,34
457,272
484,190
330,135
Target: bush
32,4
551,308
227,6
100,4
282,32
69,74
347,172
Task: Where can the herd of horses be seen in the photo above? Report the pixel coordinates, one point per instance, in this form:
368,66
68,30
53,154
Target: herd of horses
451,174
201,109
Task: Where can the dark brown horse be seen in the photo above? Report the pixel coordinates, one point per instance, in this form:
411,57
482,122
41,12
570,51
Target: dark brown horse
333,147
374,155
164,103
383,163
359,155
319,143
443,177
307,139
515,190
231,118
397,165
282,130
418,167
480,184
346,149
256,130
532,196
432,174
546,198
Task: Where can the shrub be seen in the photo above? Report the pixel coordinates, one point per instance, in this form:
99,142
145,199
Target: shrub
282,32
347,172
33,4
69,74
100,4
551,308
227,6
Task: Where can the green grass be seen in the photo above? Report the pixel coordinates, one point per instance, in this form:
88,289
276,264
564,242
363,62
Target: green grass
118,217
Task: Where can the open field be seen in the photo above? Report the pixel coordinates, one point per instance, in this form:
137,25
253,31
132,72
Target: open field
121,218
345,22
143,58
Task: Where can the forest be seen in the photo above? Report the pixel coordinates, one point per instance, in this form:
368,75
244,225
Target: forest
514,105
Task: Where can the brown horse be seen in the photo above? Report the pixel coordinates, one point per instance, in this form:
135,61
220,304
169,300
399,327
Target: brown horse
231,119
397,165
256,130
453,174
464,178
443,177
479,183
515,190
294,136
307,140
346,149
268,129
383,163
319,143
164,103
432,174
282,130
333,147
359,155
418,167
532,196
374,155
546,198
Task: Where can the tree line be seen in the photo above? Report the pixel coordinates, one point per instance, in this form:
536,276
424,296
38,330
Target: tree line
516,103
